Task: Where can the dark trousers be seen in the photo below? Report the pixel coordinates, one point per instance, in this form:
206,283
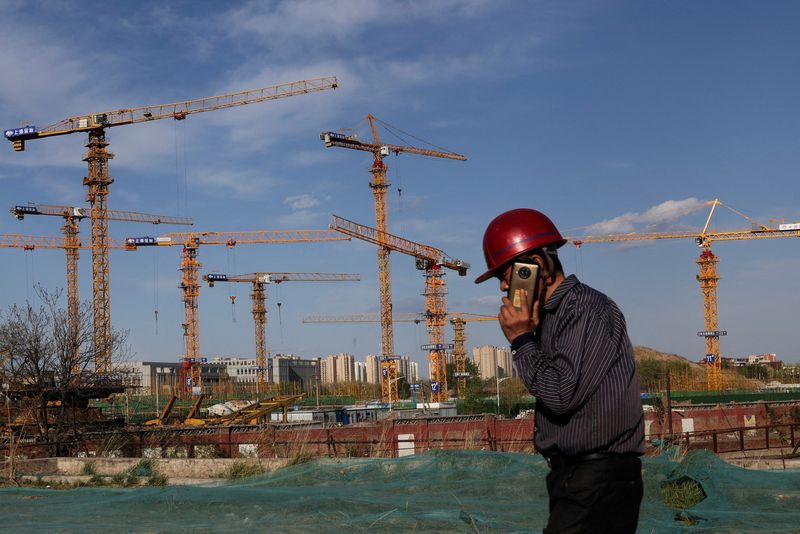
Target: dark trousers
596,495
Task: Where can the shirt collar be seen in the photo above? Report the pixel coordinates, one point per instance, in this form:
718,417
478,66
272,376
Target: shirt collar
563,288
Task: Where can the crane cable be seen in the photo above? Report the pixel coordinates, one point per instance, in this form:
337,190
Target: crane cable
180,157
232,295
397,131
155,287
29,274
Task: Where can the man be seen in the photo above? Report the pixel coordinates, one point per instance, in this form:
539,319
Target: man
573,353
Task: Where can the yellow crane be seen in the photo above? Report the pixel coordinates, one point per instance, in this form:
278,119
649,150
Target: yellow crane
379,185
432,261
707,276
459,322
72,215
258,297
457,319
190,242
98,180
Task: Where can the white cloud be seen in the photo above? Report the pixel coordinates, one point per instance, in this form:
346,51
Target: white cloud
301,202
242,185
302,219
36,71
317,157
438,233
253,127
319,22
664,213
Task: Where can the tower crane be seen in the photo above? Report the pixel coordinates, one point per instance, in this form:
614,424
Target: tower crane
457,319
72,215
432,261
190,242
98,180
707,276
379,185
258,297
459,322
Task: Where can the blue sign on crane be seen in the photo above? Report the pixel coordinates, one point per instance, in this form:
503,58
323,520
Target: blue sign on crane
139,241
438,346
19,132
26,209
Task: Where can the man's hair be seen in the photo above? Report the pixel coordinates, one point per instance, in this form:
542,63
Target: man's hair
553,265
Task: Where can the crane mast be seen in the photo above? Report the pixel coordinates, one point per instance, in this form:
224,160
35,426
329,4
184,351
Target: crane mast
72,215
459,322
190,286
379,186
258,299
431,260
707,276
98,180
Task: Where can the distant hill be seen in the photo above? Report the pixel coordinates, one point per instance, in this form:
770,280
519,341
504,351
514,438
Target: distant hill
695,381
646,353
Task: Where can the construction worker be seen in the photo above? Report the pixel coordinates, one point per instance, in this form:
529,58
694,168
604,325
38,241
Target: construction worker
572,351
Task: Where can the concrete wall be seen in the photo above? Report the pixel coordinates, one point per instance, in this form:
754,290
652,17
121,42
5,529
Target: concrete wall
173,467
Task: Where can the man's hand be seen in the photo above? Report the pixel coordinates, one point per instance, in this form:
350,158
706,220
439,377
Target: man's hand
514,321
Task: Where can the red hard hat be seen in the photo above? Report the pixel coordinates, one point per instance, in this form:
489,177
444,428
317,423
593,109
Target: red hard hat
513,233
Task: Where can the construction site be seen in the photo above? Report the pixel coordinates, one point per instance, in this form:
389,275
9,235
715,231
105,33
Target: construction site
388,401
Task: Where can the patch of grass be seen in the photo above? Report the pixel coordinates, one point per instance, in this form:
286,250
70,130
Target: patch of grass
89,469
301,458
243,470
125,479
157,479
682,493
143,469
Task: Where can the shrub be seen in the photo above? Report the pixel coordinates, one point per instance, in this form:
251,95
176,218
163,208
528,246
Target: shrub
142,469
682,493
301,458
243,470
157,479
88,469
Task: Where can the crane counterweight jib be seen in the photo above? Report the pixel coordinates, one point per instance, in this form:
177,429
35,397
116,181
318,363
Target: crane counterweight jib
350,141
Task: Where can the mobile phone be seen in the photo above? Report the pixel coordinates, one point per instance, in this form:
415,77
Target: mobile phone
523,276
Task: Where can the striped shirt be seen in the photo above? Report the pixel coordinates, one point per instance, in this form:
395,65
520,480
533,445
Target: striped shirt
579,365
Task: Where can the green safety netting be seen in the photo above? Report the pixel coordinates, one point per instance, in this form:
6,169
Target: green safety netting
444,491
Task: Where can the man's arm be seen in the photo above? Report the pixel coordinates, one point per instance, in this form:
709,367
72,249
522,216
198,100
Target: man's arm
584,352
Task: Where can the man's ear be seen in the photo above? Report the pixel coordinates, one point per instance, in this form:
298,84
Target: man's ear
538,260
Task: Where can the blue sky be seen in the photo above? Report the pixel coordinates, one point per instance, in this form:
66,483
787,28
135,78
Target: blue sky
593,112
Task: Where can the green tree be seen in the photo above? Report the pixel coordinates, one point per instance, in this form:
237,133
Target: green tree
473,401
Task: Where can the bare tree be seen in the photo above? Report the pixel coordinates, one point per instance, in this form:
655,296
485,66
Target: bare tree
50,358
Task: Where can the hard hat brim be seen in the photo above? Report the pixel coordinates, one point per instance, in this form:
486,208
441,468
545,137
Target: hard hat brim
484,277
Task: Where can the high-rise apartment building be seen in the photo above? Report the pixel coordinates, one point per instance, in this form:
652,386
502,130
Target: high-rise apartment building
345,367
414,373
373,369
493,362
